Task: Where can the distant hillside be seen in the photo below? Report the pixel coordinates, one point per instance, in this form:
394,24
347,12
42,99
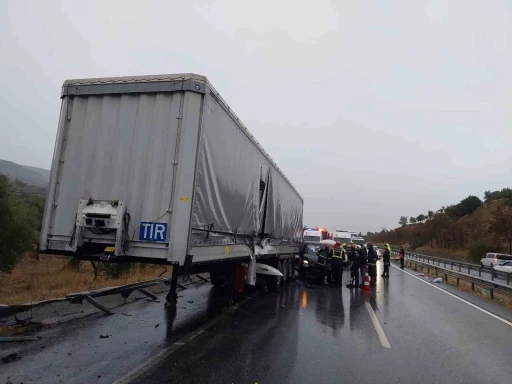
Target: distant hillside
43,172
28,175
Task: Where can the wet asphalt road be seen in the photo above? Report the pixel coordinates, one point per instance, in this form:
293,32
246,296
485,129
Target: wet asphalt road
326,335
75,353
301,335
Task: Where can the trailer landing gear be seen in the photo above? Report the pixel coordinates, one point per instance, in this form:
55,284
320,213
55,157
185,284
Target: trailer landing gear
172,296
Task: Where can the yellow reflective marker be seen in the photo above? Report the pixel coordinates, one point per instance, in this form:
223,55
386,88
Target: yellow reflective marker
184,198
227,249
110,249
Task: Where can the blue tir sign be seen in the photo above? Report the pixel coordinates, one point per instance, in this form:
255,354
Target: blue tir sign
153,231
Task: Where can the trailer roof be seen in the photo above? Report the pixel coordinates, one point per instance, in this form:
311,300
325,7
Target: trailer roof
158,83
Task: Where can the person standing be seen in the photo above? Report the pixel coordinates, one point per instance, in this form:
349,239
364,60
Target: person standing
353,259
386,259
401,253
337,264
363,261
372,264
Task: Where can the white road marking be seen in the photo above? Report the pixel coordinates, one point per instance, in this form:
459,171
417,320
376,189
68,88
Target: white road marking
380,332
164,354
459,298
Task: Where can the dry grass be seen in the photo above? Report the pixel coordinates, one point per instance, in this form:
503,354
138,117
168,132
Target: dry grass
48,278
503,299
460,255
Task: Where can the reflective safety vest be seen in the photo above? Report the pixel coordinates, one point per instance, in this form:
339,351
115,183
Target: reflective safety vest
389,248
337,252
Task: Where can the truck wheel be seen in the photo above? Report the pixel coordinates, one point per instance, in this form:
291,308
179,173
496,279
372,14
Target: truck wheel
285,271
275,282
218,279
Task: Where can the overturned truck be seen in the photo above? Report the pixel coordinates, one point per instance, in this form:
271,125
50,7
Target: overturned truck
158,169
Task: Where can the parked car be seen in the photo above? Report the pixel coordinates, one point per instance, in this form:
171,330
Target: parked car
504,267
491,259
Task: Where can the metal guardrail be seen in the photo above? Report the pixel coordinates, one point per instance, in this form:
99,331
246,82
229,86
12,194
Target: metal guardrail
91,296
492,280
486,274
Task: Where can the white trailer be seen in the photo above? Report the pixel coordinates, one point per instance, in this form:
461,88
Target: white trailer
159,169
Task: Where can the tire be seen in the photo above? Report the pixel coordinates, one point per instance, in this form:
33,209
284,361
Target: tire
218,280
281,267
274,283
286,274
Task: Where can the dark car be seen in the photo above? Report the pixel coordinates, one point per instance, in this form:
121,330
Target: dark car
313,261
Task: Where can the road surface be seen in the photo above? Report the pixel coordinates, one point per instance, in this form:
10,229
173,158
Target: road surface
408,331
327,335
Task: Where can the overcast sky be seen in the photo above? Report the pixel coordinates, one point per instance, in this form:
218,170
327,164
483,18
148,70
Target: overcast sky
374,109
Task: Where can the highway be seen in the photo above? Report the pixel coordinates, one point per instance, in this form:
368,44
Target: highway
464,268
407,331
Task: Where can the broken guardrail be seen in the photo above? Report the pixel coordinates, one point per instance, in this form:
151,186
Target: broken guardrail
91,297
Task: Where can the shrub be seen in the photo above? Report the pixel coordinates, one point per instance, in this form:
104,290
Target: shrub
477,251
114,270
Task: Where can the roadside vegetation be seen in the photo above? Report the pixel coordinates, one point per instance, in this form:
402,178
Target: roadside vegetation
464,231
26,276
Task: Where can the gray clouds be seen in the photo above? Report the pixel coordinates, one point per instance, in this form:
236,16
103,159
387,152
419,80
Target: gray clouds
373,110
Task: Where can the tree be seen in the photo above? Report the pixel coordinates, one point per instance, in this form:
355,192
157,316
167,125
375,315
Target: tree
403,221
430,215
17,221
421,218
501,225
412,220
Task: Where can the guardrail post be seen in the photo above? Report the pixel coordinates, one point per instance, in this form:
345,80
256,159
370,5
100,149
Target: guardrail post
445,263
458,280
492,274
451,265
437,273
508,278
479,271
472,285
491,293
469,269
446,277
460,267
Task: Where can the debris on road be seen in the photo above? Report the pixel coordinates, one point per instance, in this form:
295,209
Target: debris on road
419,274
156,326
10,358
190,301
438,280
12,339
104,336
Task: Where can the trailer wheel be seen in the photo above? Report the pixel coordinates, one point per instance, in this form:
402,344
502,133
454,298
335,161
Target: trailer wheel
275,282
284,263
219,280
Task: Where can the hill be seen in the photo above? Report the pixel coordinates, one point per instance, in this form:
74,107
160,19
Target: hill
29,175
452,233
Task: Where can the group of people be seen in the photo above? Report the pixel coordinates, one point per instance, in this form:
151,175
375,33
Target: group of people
361,259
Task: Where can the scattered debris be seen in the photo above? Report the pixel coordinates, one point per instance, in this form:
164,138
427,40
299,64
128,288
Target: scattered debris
156,326
70,354
10,358
190,301
419,274
104,336
438,280
125,314
12,339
